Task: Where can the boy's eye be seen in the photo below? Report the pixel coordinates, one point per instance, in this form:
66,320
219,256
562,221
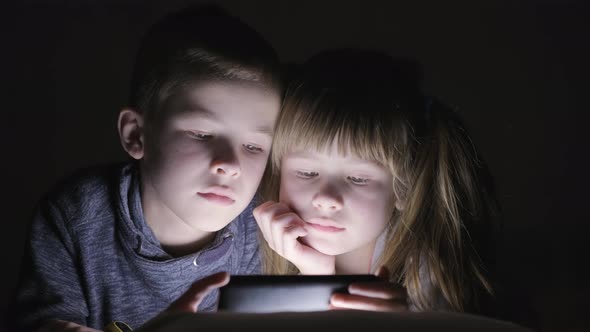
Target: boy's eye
307,174
200,136
252,148
358,181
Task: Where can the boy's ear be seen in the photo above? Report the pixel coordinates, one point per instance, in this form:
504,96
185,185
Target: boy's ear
131,131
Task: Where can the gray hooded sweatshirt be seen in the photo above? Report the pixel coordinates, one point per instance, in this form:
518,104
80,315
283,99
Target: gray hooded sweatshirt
92,259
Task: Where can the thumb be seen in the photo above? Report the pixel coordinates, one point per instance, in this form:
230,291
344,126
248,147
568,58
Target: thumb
190,300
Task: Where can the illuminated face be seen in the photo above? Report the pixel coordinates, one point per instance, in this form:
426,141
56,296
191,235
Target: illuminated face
345,201
205,154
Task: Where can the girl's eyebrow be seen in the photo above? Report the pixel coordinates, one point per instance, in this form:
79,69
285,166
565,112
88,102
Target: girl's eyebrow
306,155
297,154
266,130
302,159
316,156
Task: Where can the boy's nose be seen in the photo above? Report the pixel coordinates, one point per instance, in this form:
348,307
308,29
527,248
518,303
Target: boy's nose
224,168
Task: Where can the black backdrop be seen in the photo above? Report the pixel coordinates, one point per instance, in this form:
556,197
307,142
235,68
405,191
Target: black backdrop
516,70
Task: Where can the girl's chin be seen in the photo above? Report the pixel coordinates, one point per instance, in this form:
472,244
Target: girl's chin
324,248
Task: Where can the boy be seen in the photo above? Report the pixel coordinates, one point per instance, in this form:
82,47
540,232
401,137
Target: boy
121,243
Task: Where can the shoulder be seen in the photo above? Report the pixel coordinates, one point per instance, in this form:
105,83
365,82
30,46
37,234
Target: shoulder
87,194
247,241
245,221
244,227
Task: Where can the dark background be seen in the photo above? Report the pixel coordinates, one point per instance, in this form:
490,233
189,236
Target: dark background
516,70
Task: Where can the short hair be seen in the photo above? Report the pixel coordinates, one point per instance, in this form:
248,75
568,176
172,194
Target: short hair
199,44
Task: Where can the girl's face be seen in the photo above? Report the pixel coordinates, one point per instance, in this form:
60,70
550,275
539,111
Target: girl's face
345,201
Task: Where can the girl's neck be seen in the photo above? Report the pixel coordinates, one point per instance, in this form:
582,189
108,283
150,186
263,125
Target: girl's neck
358,261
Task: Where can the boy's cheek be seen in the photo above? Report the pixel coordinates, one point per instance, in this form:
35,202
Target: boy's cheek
252,172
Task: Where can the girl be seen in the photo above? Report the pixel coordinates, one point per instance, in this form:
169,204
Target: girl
366,173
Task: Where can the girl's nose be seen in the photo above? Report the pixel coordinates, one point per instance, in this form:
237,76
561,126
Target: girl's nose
327,202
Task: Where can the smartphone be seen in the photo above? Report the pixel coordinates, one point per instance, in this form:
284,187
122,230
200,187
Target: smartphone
284,293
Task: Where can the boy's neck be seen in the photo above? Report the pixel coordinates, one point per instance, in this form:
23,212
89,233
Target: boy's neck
176,237
358,261
179,250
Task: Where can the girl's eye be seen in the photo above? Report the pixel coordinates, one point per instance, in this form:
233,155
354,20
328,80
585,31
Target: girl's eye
358,181
200,136
252,148
307,174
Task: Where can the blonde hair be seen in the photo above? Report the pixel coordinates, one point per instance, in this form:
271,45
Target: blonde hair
363,100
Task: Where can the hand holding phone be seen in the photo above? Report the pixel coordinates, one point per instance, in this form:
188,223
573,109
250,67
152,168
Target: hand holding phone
373,296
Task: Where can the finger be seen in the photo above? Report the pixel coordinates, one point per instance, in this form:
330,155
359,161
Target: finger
190,300
356,302
382,272
291,245
261,216
269,209
286,237
386,291
261,208
266,216
294,230
333,307
282,223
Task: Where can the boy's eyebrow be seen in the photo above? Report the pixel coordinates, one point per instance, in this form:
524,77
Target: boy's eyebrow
201,111
267,130
205,113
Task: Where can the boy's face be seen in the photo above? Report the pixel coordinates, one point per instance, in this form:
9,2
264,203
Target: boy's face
205,153
346,202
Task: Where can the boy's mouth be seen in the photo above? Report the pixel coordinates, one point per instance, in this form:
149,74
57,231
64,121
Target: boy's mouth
218,199
219,195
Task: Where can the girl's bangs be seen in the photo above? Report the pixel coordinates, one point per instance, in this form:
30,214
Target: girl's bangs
308,124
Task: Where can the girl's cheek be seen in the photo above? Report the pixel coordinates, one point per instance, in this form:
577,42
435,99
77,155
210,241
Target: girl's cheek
296,193
377,190
292,191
